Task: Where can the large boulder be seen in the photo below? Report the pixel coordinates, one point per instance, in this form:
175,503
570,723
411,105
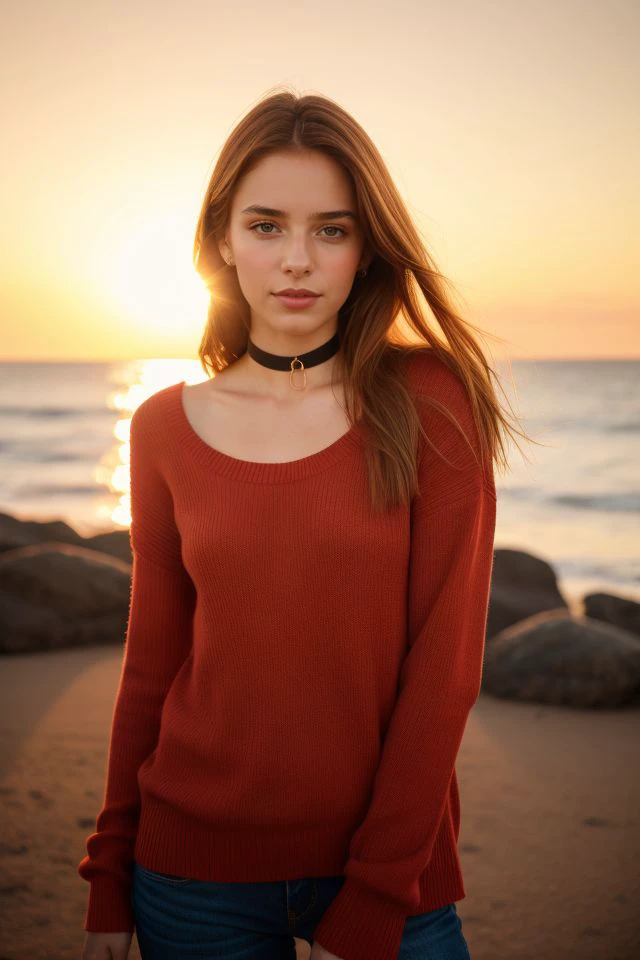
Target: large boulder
54,595
564,659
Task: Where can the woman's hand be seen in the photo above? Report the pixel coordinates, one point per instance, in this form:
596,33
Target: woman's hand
106,946
319,953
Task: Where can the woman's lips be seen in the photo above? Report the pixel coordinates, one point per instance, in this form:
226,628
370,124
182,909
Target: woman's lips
295,303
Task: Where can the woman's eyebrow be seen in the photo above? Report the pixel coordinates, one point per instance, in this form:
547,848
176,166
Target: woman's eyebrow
326,215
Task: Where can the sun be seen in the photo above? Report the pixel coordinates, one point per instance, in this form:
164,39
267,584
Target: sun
149,277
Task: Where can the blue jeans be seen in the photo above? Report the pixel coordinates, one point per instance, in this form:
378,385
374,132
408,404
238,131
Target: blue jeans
177,917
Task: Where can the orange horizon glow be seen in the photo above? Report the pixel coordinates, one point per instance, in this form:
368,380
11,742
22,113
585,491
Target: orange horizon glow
512,140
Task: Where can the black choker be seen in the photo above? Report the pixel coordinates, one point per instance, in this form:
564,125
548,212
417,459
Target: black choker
276,361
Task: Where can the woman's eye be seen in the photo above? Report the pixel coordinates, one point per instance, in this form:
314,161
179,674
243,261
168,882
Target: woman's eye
256,225
342,232
267,223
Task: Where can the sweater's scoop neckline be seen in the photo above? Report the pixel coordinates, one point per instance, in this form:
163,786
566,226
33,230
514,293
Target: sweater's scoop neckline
252,470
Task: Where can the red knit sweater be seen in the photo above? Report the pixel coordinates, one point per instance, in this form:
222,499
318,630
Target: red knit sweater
297,672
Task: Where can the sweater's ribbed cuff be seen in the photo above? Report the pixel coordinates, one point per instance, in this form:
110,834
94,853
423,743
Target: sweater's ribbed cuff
110,909
360,925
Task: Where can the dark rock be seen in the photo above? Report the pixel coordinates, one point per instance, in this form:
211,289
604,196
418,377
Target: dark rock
23,533
619,611
54,595
114,542
564,660
521,585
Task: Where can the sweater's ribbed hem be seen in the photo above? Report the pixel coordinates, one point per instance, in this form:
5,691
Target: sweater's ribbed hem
167,841
358,923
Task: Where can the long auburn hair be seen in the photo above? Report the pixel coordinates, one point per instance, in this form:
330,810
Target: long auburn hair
372,346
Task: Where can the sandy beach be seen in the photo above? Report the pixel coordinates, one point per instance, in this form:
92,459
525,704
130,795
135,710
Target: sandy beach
550,838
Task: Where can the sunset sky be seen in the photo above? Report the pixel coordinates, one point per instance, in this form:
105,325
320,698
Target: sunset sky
510,129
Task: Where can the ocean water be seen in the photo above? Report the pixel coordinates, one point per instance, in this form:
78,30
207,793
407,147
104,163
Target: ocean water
575,501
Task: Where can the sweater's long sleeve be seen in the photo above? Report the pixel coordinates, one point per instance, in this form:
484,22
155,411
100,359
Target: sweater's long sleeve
452,536
157,642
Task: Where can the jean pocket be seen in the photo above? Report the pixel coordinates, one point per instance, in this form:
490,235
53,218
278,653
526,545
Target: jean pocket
168,878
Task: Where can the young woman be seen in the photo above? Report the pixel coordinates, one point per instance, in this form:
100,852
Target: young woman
312,536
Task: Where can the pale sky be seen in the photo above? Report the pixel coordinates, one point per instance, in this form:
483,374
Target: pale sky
510,129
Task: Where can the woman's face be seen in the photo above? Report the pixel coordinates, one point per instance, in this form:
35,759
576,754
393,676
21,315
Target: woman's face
294,247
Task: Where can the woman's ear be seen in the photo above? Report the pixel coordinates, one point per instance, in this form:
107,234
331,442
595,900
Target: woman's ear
366,258
225,250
